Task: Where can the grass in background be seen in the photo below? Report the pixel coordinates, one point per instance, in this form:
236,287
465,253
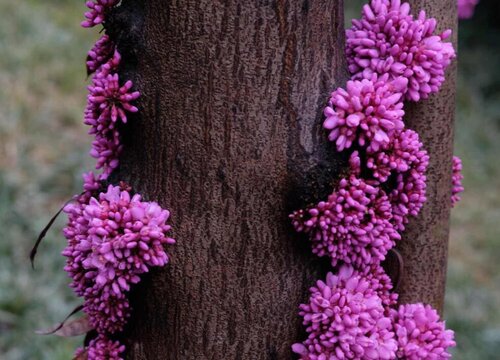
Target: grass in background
43,151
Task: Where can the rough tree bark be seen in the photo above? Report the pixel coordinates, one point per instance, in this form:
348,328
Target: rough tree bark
425,243
229,138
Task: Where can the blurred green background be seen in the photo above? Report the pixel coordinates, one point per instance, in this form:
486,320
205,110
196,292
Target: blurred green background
43,150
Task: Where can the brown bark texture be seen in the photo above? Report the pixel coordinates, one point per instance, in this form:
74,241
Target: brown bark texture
229,138
424,247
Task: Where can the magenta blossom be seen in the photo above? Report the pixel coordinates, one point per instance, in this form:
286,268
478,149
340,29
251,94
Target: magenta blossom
106,148
457,177
97,12
90,185
107,305
353,225
389,40
368,112
466,8
408,197
405,159
420,333
380,283
107,104
345,319
107,99
101,53
111,98
102,348
112,239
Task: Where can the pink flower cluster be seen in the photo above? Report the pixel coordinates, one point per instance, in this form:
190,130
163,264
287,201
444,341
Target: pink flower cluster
379,282
359,222
393,57
346,318
404,153
107,104
109,99
102,348
420,333
112,239
353,225
389,40
457,177
367,112
405,159
101,52
97,11
409,161
466,8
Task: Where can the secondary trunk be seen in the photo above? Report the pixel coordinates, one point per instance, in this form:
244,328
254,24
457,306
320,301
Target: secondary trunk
425,243
229,138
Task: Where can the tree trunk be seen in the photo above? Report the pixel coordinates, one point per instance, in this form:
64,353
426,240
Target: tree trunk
425,243
229,138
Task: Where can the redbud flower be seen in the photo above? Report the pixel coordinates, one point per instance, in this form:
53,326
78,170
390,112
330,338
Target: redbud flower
97,11
388,40
90,185
102,348
367,112
345,319
380,283
420,333
107,98
107,104
457,177
466,8
106,148
406,161
75,228
408,197
100,53
107,307
353,225
112,239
